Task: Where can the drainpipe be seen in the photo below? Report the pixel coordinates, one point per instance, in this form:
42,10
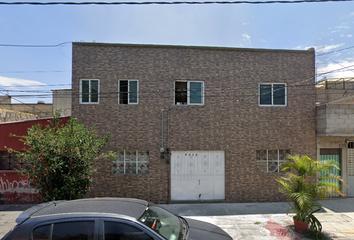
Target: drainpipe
162,148
168,131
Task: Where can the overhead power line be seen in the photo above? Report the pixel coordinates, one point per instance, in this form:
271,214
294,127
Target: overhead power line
169,3
28,45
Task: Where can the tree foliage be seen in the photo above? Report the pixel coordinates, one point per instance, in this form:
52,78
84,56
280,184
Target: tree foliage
60,158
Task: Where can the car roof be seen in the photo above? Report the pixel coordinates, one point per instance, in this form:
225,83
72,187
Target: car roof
123,206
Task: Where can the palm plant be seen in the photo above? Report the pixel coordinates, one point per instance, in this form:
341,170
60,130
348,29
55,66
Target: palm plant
303,186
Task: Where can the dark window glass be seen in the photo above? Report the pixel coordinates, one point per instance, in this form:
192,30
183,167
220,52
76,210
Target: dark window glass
41,233
265,94
196,92
85,87
278,94
94,91
122,231
123,92
17,234
180,93
83,230
133,91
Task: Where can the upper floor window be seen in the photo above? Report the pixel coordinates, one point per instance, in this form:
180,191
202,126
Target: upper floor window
189,93
272,94
89,89
128,91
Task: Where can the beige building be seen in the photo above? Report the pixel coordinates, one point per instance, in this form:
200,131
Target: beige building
62,100
19,112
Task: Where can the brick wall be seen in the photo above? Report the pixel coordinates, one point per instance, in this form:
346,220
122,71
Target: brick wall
230,120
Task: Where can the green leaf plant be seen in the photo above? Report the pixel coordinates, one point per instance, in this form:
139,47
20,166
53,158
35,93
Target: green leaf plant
60,158
303,186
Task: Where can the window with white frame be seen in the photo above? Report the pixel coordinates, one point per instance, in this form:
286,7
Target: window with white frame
89,91
271,160
131,162
272,94
189,93
128,91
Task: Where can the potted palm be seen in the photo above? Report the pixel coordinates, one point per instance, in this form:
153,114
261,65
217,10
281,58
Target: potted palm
303,186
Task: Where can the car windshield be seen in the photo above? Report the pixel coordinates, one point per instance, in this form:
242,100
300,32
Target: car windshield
163,222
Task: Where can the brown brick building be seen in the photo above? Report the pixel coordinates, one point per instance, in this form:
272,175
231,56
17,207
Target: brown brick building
226,118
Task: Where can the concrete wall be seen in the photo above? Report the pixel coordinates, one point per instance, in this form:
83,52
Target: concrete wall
335,120
230,120
62,100
42,110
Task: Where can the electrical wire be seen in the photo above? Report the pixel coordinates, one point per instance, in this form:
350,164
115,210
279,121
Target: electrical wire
170,3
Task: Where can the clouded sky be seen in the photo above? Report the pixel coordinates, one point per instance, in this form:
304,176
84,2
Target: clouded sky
33,71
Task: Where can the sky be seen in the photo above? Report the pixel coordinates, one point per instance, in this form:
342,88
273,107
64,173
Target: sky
39,58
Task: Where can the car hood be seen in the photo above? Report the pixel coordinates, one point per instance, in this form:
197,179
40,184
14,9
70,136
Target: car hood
201,230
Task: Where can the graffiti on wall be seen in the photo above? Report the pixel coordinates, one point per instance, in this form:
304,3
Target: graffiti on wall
16,190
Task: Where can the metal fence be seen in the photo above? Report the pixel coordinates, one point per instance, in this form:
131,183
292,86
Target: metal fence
9,161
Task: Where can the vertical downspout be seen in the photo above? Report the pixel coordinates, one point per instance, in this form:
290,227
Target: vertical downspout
169,155
162,148
168,130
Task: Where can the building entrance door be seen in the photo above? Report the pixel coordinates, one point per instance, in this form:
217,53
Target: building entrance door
197,175
331,154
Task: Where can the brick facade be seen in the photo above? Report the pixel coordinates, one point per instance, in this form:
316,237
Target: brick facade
230,119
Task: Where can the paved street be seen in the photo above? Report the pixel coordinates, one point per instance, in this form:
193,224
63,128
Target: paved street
249,221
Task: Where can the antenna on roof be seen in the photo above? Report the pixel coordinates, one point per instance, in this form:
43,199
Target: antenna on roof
55,204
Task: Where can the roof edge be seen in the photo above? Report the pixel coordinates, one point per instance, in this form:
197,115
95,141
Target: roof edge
310,50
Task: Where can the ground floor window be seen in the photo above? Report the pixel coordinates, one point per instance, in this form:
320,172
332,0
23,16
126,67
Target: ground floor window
131,162
271,160
9,161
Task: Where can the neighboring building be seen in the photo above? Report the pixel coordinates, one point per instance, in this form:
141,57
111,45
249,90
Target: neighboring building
335,126
62,100
225,118
14,116
41,109
15,189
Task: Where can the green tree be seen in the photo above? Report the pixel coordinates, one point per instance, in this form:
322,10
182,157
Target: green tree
60,158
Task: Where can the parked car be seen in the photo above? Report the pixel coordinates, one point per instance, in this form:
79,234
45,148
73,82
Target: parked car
108,219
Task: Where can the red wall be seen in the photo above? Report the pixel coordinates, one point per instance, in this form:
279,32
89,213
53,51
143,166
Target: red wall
19,129
13,188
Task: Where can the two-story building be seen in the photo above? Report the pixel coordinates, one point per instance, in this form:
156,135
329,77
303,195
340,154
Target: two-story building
335,126
195,123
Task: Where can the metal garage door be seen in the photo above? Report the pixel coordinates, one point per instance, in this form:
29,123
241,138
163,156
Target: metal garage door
197,175
334,155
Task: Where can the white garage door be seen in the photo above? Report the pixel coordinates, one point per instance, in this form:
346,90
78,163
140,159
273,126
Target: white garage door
197,175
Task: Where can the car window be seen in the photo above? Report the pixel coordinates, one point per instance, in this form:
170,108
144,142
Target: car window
18,233
78,230
122,231
41,233
81,230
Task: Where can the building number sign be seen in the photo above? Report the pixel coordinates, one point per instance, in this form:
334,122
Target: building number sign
191,154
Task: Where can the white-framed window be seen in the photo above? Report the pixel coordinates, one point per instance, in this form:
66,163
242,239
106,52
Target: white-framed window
89,91
128,91
189,92
131,162
270,161
272,94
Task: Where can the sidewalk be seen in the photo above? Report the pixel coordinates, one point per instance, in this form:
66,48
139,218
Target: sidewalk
255,221
246,221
